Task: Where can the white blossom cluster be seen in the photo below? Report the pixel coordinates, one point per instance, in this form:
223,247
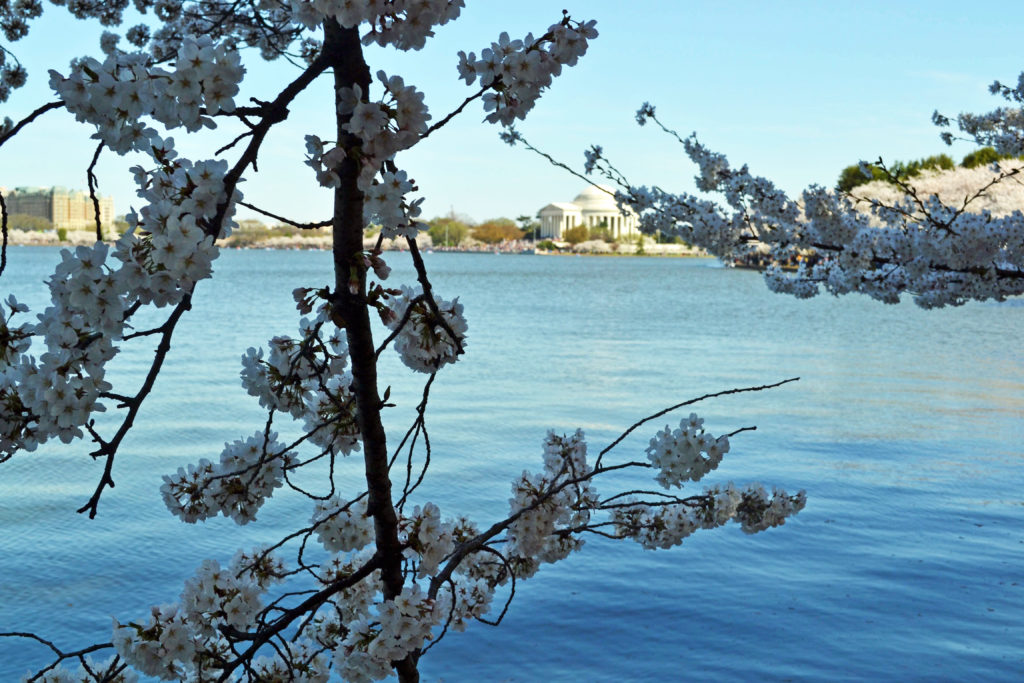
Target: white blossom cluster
686,453
396,628
187,640
354,602
372,633
941,254
545,501
160,646
157,262
1002,128
428,539
115,95
14,22
170,245
342,526
54,395
298,662
518,71
237,486
178,639
306,378
665,526
383,128
384,204
403,24
423,343
554,505
758,511
324,161
14,75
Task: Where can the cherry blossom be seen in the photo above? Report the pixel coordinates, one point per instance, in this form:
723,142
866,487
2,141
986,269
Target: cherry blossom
379,573
941,254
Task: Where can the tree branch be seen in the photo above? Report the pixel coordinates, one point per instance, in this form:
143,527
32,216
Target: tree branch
658,414
303,226
108,449
29,119
91,177
3,223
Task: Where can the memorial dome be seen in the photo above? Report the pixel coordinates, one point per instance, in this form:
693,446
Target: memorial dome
596,199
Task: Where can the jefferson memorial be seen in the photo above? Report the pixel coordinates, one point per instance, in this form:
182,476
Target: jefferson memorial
592,207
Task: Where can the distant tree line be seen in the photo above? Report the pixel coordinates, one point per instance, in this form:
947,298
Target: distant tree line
24,221
853,175
452,230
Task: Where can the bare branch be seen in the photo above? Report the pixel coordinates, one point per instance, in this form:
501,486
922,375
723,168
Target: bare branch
61,655
3,222
658,414
456,112
108,449
421,276
91,176
29,119
303,226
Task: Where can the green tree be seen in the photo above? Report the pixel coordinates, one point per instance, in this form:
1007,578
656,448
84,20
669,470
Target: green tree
447,231
852,176
576,234
910,169
530,227
23,221
497,230
253,224
601,231
983,157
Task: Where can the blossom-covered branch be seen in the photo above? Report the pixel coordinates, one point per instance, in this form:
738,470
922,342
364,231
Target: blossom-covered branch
365,584
942,254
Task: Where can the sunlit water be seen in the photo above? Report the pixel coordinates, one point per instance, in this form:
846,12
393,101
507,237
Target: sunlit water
905,428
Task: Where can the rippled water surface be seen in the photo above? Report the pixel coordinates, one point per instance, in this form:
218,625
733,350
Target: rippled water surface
905,428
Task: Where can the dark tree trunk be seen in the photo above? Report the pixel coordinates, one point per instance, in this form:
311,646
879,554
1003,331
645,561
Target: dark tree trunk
349,308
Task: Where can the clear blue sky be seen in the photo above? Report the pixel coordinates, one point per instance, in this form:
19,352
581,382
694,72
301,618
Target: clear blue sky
795,89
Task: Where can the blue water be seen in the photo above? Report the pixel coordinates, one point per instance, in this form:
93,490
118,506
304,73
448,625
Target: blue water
905,428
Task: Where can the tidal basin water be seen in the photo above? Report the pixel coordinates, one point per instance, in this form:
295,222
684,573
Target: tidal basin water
906,429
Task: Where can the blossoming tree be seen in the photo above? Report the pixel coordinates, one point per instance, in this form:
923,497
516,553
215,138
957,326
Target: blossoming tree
393,574
939,252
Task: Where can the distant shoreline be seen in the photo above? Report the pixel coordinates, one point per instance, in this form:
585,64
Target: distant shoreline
77,238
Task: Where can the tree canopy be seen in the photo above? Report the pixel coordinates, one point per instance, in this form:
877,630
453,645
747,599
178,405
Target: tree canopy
396,575
448,231
393,574
497,230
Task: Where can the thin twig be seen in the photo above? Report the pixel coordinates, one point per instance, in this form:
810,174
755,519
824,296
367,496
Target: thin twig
303,226
456,112
93,183
29,119
271,113
658,414
61,655
3,220
108,449
421,276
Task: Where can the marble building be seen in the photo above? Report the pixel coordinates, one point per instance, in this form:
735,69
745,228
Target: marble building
593,207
